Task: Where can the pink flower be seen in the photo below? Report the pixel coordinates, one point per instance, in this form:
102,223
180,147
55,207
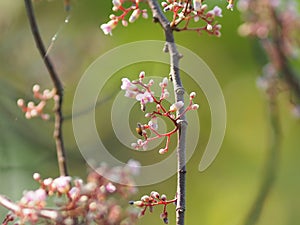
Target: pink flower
61,184
110,187
131,89
216,11
108,27
144,97
34,198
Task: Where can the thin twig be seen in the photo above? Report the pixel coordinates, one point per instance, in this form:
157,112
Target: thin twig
158,16
58,136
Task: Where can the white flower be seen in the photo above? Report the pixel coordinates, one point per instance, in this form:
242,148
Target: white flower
144,97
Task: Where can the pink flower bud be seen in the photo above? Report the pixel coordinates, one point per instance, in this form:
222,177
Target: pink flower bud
163,151
124,23
147,115
150,83
142,75
164,4
145,198
112,16
48,181
62,184
36,88
163,197
154,194
195,107
209,27
20,102
164,83
192,95
110,187
165,95
36,176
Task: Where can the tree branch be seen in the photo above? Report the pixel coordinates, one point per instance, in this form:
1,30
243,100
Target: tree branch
179,96
58,136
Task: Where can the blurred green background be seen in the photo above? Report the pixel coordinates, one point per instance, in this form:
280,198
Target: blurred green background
223,193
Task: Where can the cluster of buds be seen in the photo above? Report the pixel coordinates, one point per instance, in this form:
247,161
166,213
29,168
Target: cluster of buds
36,110
141,91
72,201
154,199
133,9
185,11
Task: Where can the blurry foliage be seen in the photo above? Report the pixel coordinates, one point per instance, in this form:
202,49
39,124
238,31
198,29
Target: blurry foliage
220,195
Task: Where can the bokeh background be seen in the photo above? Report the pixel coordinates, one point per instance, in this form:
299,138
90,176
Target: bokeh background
224,193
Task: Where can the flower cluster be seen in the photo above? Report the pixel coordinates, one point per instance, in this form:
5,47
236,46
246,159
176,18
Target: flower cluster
276,24
74,201
118,5
141,91
34,110
183,10
154,199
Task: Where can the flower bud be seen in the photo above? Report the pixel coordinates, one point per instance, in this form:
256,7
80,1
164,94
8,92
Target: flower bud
209,27
195,107
135,15
192,95
36,176
145,198
163,151
20,102
36,88
154,194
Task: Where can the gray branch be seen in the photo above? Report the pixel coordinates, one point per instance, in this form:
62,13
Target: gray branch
170,47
